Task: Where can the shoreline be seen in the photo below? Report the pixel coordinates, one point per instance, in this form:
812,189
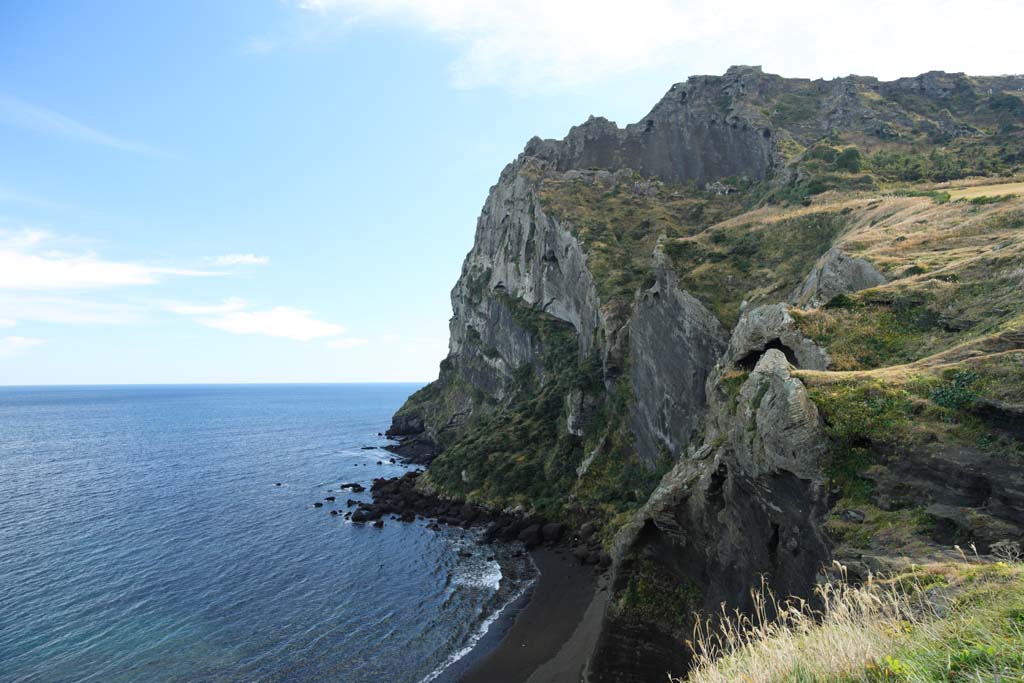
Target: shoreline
546,631
545,635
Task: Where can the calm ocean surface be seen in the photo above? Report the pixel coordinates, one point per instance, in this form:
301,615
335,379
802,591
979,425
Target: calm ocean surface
142,539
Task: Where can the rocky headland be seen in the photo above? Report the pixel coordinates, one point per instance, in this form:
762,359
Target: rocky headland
775,323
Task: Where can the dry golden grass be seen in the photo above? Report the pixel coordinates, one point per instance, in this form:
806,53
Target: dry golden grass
942,622
991,190
854,627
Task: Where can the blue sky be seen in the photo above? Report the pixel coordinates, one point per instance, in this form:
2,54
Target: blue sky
267,190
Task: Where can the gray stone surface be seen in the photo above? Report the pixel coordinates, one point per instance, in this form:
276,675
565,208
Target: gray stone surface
688,135
748,502
771,326
835,273
674,344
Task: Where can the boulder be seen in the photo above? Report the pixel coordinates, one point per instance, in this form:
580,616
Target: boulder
852,516
552,532
530,536
835,273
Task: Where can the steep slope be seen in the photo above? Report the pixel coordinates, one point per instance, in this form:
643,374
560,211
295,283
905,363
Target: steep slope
745,335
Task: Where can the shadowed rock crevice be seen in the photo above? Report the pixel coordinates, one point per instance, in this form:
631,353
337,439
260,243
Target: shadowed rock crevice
749,361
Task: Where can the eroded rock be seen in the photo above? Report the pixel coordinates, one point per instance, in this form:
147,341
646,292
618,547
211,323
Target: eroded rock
835,273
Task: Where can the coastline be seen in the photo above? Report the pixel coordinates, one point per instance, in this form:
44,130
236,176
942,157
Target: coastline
546,634
543,633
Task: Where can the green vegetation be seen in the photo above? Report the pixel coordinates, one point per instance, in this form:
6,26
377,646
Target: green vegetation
619,224
939,196
958,393
879,328
654,595
821,168
863,421
940,623
871,418
902,532
909,321
521,453
726,265
961,160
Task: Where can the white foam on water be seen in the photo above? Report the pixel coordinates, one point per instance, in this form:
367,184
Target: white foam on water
476,576
485,625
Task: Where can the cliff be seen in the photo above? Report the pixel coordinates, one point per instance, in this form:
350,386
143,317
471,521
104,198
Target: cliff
744,336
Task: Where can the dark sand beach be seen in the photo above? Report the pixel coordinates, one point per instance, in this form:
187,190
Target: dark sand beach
548,635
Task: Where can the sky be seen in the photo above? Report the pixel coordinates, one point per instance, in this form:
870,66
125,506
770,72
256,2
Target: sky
284,190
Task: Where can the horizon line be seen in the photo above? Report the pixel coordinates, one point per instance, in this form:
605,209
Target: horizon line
205,384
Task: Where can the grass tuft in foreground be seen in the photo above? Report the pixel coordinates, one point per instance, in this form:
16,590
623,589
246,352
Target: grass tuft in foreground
946,622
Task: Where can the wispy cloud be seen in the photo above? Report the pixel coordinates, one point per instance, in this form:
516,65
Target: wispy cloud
12,346
25,265
281,321
229,305
7,322
21,114
545,44
241,260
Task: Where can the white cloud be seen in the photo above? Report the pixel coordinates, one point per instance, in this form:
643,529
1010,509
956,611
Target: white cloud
280,321
7,322
347,343
10,346
21,114
241,259
67,310
229,305
24,266
554,43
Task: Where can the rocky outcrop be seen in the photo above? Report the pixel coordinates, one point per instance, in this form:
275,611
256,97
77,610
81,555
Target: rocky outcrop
674,344
690,135
836,273
748,502
772,327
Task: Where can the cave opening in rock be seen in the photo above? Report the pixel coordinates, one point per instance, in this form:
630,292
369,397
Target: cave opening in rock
749,361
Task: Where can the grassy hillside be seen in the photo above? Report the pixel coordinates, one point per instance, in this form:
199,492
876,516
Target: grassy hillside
949,622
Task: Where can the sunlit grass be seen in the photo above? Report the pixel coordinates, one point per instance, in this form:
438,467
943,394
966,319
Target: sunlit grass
945,622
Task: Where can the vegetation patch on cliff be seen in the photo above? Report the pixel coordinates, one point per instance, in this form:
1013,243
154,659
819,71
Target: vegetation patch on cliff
619,218
654,595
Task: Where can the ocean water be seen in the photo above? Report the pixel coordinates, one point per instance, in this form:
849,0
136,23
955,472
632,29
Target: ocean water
143,539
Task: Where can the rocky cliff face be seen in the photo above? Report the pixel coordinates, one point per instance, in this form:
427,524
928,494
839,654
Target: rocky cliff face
744,335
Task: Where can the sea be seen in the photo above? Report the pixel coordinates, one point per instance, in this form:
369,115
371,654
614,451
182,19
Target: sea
166,534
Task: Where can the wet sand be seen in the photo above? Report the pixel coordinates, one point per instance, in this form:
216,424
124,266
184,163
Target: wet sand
552,630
